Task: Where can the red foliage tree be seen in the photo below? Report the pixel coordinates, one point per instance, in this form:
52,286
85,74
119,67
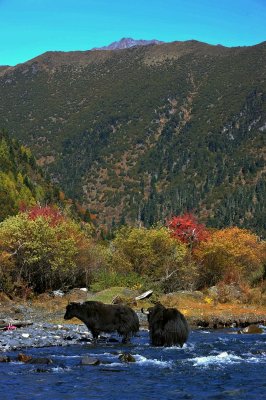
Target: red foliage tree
50,213
187,229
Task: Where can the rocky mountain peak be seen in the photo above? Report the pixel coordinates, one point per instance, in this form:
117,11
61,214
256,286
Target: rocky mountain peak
126,43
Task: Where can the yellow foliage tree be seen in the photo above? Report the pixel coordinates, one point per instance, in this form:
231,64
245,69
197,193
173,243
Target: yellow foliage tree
231,255
44,253
147,252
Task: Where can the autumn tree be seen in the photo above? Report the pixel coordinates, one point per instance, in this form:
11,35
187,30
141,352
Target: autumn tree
187,229
231,255
50,213
44,249
152,253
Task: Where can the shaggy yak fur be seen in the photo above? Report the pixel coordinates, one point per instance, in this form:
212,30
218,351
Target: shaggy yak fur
100,317
167,326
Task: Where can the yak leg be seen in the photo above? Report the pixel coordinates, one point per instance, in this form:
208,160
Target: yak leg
95,335
125,339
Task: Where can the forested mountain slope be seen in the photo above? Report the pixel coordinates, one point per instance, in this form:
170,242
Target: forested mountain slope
144,133
22,182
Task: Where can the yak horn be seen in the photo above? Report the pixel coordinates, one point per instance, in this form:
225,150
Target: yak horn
144,312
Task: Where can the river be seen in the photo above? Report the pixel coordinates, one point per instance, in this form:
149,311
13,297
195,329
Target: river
212,365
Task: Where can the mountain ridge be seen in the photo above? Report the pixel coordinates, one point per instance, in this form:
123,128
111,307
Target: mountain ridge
51,58
75,56
197,109
126,43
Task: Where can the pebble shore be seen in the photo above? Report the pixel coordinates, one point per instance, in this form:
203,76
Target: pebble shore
43,335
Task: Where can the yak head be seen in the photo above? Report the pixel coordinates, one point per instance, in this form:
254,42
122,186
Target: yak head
71,310
156,310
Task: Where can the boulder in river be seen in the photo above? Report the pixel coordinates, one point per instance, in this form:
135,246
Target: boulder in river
41,360
126,358
252,329
89,361
24,358
4,359
32,360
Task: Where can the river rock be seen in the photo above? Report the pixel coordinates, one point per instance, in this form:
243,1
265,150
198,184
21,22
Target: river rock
40,360
41,370
4,359
24,358
126,358
89,361
252,329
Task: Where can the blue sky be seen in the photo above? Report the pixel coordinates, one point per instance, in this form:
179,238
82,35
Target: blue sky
31,27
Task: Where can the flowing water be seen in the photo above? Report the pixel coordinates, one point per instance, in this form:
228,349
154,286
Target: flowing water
212,365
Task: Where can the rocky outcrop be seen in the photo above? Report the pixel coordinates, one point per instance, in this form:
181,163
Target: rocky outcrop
126,43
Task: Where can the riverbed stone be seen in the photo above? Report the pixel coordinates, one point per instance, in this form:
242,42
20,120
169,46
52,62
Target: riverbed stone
86,360
127,358
24,358
4,359
40,360
251,329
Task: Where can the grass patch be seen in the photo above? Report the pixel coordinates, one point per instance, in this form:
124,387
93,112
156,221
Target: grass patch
107,295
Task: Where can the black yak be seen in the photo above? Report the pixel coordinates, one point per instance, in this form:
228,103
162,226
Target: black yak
167,326
100,317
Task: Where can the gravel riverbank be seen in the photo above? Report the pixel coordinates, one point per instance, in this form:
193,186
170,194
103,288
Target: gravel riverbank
40,323
43,335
